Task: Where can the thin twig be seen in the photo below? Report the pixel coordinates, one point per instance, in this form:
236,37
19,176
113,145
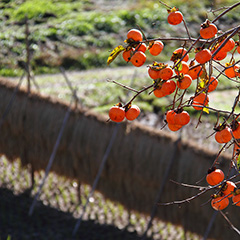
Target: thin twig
229,222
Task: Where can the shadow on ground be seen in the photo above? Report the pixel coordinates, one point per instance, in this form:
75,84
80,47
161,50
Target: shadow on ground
49,223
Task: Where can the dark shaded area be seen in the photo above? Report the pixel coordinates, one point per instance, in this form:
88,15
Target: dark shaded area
49,223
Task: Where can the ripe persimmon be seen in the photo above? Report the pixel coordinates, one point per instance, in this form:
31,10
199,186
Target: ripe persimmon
168,87
184,82
203,56
182,118
142,47
166,73
238,49
184,68
230,44
116,113
132,113
127,54
213,82
236,199
224,135
174,127
231,72
135,35
158,92
200,101
175,17
170,114
228,189
154,74
208,30
195,71
220,203
156,48
138,59
215,176
236,129
220,55
178,54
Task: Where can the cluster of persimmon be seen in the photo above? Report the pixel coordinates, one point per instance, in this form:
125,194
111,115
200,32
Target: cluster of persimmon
180,75
225,132
225,190
118,112
177,118
210,49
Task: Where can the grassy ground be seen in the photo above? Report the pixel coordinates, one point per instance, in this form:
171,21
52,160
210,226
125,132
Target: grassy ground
79,34
58,209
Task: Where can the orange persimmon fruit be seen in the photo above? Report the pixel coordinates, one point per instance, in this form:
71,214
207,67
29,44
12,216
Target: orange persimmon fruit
236,199
213,82
200,101
138,59
175,17
208,30
220,55
179,53
135,35
228,189
159,93
132,113
182,118
142,47
215,176
236,129
127,54
203,56
184,68
116,113
184,82
195,71
224,135
154,74
174,127
231,72
170,114
166,73
219,203
156,48
230,44
168,87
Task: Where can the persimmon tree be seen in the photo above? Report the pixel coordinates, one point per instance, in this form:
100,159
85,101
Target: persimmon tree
209,49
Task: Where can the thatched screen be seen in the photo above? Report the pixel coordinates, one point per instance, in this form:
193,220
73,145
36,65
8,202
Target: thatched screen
134,169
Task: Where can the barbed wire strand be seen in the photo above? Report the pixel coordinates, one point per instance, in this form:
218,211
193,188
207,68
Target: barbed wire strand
210,225
104,159
164,181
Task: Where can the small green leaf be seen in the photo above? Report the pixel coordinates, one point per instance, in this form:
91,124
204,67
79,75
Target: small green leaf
179,66
115,53
238,163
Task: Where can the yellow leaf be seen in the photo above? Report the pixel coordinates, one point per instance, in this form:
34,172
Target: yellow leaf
115,53
206,110
202,83
179,66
